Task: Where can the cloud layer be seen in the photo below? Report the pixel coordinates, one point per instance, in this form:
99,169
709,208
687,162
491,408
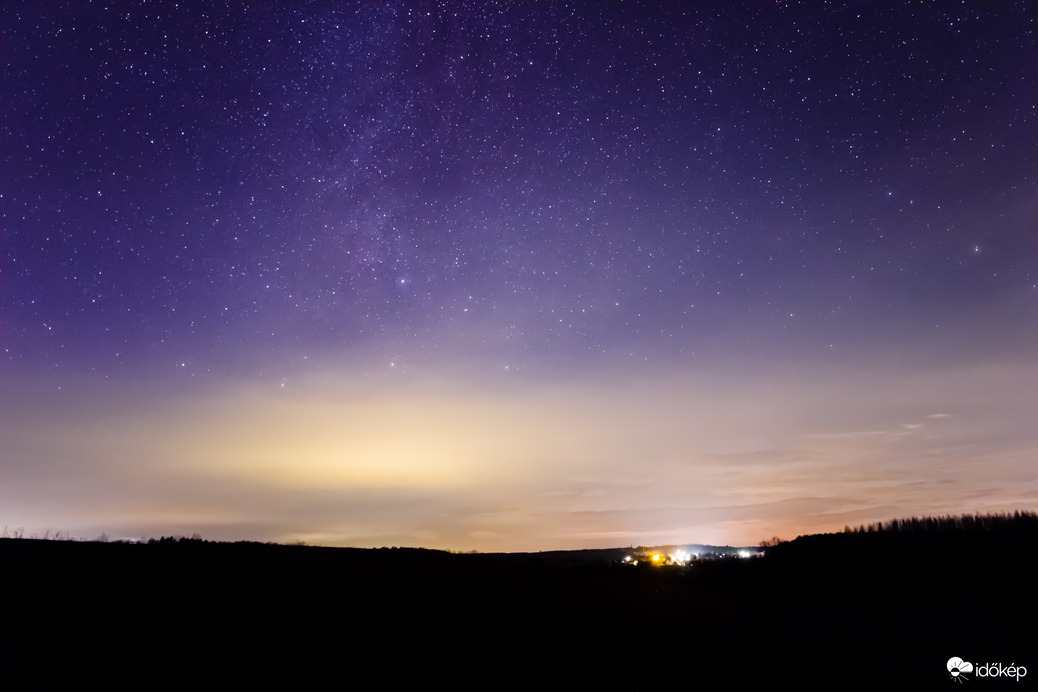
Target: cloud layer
337,458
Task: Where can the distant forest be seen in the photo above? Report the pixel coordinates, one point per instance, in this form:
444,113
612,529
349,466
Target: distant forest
1010,521
929,557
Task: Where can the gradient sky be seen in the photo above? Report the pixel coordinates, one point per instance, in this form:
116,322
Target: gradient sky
515,276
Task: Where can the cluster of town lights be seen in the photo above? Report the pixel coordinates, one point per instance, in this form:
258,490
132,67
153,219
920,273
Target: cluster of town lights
680,557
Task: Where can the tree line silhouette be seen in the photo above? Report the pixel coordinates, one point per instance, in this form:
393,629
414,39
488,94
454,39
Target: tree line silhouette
1005,521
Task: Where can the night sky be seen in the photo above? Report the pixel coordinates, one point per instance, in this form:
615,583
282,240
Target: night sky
515,275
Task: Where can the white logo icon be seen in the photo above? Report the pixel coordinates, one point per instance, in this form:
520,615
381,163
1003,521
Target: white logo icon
957,667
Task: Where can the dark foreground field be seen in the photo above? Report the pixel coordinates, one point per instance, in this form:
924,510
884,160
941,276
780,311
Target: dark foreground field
825,612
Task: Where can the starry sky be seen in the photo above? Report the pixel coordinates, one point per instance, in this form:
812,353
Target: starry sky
515,275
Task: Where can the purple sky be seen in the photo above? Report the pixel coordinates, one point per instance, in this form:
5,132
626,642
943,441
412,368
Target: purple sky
515,276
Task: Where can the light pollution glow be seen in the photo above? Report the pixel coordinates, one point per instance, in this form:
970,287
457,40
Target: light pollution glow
337,458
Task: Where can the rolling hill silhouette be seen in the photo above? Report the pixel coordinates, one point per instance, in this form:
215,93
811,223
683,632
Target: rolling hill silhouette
900,598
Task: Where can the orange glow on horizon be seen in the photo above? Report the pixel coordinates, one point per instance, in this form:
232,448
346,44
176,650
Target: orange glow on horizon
668,460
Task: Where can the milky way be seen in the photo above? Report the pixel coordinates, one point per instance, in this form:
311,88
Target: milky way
515,275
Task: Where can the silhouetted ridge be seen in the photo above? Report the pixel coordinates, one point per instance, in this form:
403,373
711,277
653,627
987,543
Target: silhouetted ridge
1001,522
908,592
919,557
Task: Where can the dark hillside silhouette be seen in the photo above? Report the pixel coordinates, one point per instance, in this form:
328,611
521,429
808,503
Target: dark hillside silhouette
927,557
908,594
